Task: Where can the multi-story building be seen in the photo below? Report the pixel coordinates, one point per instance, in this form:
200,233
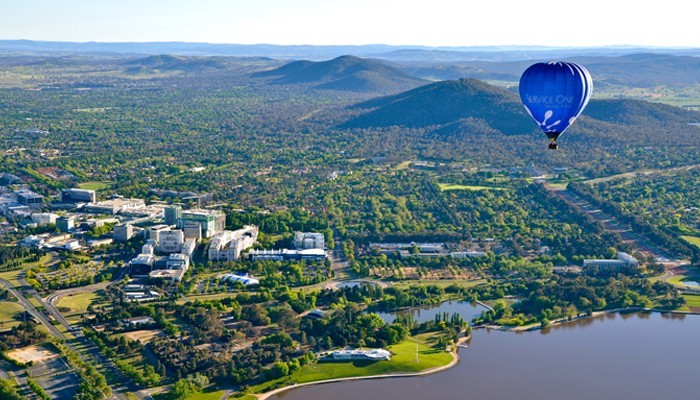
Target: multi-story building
149,248
65,224
44,218
155,231
228,245
211,221
74,195
189,247
623,260
29,198
170,241
309,240
287,254
123,232
114,206
172,214
142,265
193,230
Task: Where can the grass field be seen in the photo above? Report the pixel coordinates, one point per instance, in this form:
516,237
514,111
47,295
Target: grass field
8,311
12,276
77,302
207,394
440,283
559,185
95,185
451,186
403,361
692,300
403,165
694,240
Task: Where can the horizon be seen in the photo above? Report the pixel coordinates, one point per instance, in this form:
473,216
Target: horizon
446,23
500,47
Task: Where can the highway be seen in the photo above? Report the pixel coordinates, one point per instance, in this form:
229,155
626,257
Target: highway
88,348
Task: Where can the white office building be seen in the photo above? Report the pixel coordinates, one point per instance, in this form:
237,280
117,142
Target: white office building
228,245
170,241
44,218
623,260
309,240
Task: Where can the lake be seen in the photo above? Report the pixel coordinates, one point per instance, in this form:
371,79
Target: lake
467,310
635,356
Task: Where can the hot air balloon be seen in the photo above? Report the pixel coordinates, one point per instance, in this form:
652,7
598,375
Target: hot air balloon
554,94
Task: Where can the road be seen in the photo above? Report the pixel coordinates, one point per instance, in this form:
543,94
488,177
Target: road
628,235
341,274
89,349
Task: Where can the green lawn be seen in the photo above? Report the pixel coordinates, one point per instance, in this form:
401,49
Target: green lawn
207,394
12,276
692,300
8,311
95,185
451,186
403,165
77,302
440,283
403,361
694,240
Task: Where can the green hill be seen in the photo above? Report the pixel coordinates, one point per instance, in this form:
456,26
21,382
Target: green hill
345,73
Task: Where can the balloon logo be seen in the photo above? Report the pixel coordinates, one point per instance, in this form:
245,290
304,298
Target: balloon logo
554,94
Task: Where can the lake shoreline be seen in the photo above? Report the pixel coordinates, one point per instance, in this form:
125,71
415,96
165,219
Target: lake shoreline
562,321
461,340
455,361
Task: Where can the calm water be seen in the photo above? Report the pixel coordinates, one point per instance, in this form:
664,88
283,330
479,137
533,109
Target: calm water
467,310
617,357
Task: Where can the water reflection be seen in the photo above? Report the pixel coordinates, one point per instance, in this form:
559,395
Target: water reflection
465,309
641,356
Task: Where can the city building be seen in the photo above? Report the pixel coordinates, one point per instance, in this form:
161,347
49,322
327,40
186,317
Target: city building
34,241
170,241
74,195
211,221
154,232
189,247
100,242
193,230
135,322
172,267
9,179
29,198
467,254
123,232
141,265
44,218
309,240
228,245
72,245
360,354
623,260
149,248
246,279
287,254
65,224
172,214
114,206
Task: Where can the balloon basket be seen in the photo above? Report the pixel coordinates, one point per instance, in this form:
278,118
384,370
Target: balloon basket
553,146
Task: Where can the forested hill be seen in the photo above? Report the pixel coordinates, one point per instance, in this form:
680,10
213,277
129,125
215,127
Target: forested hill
347,73
443,103
468,104
167,63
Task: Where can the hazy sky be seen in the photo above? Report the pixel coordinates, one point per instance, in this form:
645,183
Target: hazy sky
398,22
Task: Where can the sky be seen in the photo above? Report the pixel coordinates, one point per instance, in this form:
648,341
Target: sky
581,23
